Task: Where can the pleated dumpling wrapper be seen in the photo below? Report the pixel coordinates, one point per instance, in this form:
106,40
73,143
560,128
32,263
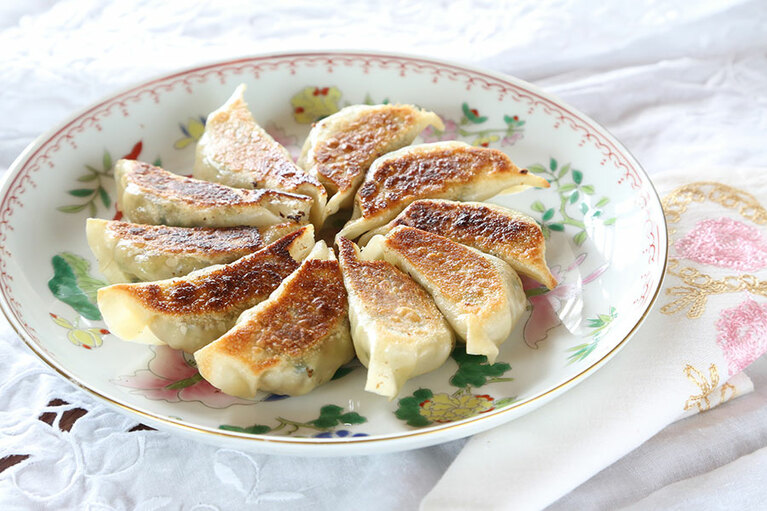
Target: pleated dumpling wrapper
341,147
234,150
507,234
189,312
480,295
397,330
290,343
442,170
129,252
150,195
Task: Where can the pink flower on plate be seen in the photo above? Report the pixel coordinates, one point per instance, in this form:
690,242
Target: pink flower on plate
547,305
725,242
432,135
172,376
511,139
285,140
742,334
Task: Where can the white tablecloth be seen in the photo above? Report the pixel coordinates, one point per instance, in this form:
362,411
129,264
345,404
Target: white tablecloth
682,84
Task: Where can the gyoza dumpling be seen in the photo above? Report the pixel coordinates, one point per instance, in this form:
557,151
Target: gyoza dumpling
480,295
150,195
129,252
507,234
292,342
234,150
442,170
341,147
397,330
189,312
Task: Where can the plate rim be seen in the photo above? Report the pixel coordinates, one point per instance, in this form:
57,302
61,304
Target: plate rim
344,444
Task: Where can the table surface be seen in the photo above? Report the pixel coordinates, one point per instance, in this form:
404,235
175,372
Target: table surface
681,84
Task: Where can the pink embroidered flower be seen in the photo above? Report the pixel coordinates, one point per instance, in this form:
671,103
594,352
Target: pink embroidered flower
285,140
547,304
742,334
432,135
725,242
172,376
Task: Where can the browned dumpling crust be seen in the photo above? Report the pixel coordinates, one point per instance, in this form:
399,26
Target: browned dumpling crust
234,150
480,295
341,147
292,342
129,252
510,235
442,170
189,312
397,330
150,195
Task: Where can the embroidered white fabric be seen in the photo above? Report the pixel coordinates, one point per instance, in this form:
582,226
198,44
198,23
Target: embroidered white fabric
681,83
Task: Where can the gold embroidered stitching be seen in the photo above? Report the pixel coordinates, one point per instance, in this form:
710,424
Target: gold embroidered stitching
706,387
675,203
723,392
700,286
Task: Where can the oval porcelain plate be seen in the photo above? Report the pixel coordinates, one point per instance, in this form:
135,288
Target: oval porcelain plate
603,220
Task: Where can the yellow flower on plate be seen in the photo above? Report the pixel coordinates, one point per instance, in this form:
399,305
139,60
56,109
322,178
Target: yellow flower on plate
88,338
446,408
314,103
485,141
192,131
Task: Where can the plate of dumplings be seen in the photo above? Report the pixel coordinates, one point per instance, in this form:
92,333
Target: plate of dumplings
328,253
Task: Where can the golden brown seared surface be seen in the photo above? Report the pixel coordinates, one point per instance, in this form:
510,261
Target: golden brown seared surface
386,292
349,153
238,143
310,307
462,275
182,240
251,278
422,174
194,191
479,226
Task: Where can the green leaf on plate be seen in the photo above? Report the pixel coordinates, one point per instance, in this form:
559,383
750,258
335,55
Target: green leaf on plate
538,206
87,177
351,418
500,403
81,267
574,197
72,209
105,197
580,238
588,189
343,371
552,164
603,201
536,168
564,170
107,160
473,370
409,408
64,287
577,176
556,227
548,215
81,192
567,187
256,429
610,221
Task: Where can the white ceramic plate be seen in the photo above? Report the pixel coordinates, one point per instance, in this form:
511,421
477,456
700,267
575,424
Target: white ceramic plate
607,247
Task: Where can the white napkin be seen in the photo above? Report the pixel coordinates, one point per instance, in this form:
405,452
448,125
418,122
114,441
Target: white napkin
710,321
